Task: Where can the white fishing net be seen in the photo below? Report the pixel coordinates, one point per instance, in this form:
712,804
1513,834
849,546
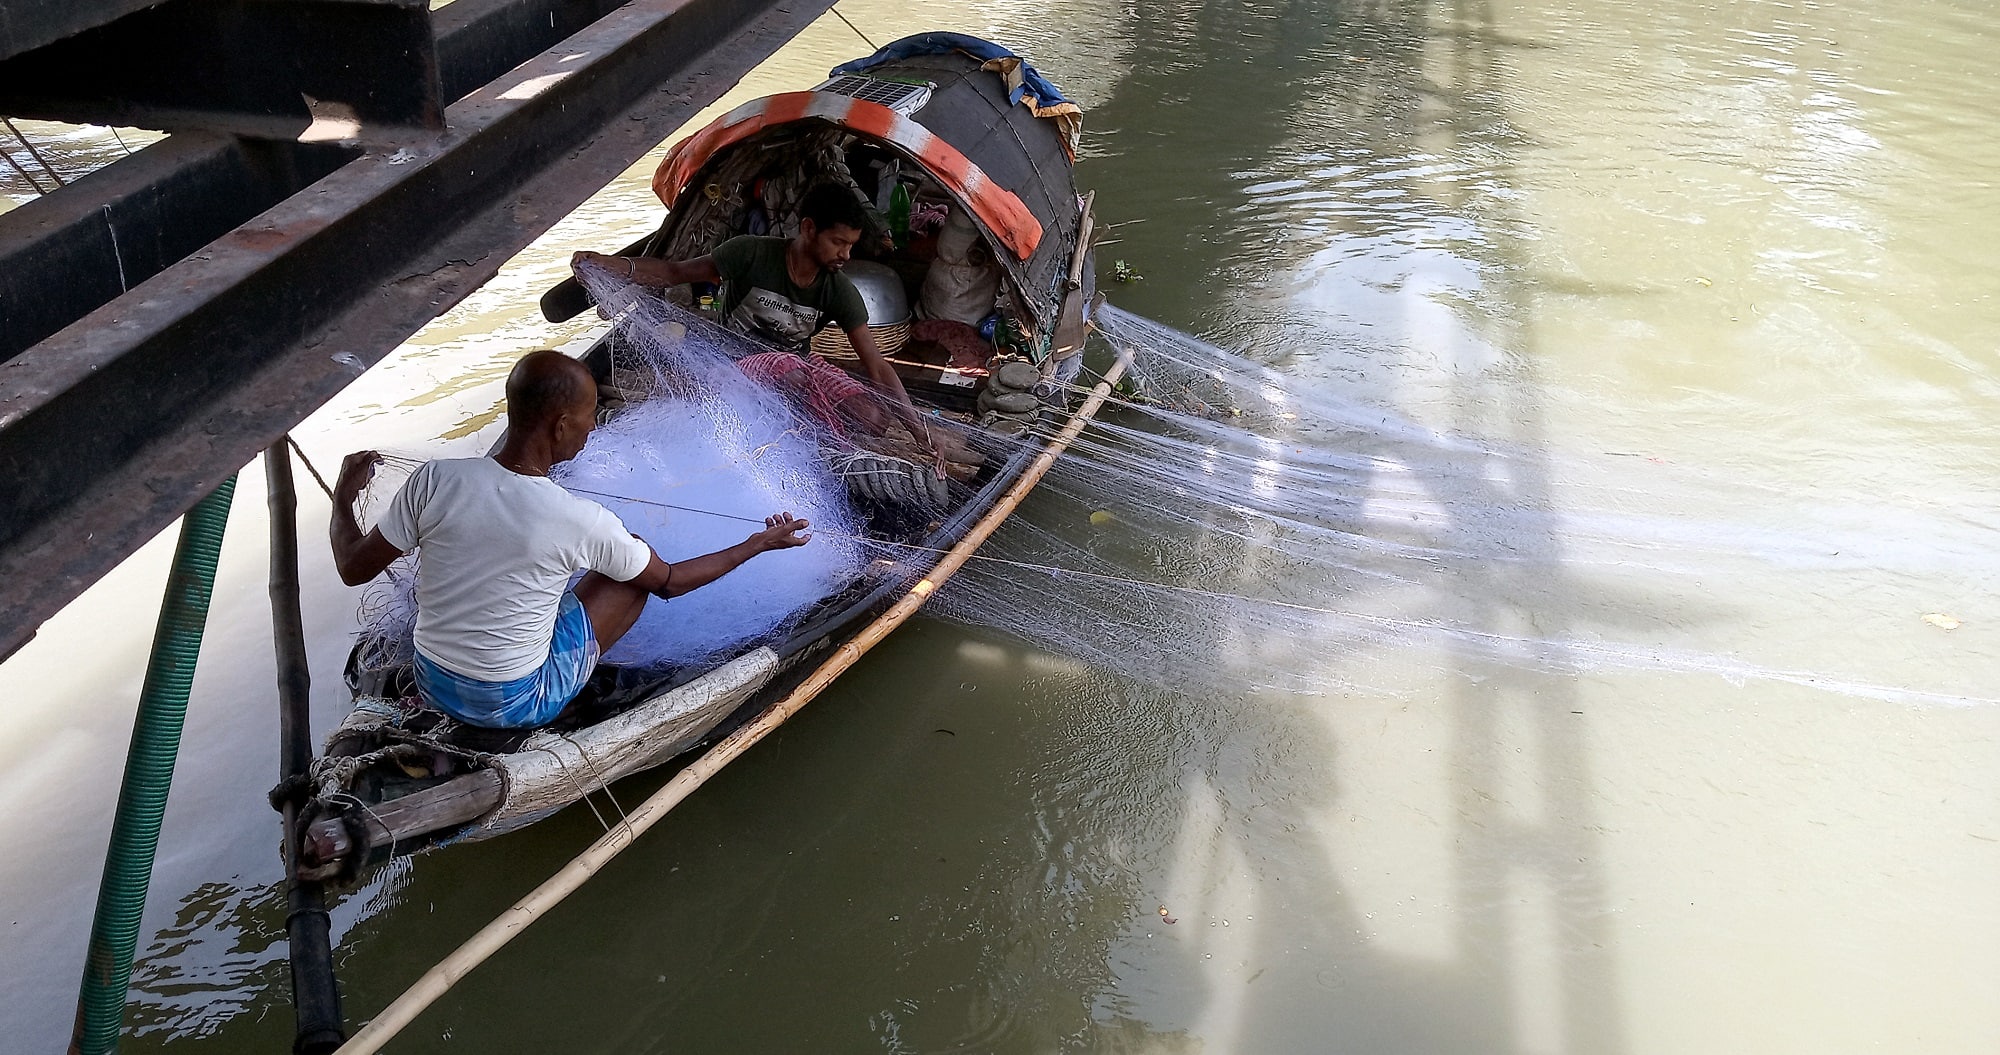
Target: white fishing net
697,457
1224,525
1219,524
691,476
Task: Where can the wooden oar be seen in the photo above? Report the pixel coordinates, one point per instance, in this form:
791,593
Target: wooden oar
1070,326
567,299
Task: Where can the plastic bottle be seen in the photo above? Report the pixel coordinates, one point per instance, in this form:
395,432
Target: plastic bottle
899,213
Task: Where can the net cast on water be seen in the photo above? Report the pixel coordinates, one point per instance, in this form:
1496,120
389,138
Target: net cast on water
1223,518
1232,528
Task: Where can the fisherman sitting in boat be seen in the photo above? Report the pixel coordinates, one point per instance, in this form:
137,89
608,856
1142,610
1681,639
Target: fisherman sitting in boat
784,290
500,641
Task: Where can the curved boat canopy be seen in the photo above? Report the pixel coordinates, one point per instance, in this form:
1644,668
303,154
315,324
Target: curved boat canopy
996,206
1025,85
976,117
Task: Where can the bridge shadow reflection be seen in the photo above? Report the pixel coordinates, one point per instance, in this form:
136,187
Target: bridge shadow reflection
1288,846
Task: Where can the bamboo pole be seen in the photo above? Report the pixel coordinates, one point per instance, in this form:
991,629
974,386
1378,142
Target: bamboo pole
481,946
315,995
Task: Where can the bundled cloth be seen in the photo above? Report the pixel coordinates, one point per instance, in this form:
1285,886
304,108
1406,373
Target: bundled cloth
968,351
962,282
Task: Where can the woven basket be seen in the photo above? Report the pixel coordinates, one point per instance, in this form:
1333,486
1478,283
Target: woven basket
832,343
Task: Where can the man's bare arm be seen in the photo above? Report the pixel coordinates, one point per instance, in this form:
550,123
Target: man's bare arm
650,272
661,579
883,373
357,557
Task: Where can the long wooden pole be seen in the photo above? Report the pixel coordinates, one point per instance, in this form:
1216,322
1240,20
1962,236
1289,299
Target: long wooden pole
315,995
477,949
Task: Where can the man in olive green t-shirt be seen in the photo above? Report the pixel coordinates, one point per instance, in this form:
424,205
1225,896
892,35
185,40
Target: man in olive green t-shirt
785,289
760,298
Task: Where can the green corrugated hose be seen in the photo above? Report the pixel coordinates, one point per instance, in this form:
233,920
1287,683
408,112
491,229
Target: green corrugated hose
149,772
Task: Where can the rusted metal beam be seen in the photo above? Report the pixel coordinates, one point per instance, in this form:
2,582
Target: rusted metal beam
479,40
69,253
312,70
113,426
29,24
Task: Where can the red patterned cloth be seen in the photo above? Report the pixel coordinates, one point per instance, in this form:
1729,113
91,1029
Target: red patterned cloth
820,384
968,350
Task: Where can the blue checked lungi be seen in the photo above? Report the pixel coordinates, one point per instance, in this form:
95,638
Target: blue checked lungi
529,701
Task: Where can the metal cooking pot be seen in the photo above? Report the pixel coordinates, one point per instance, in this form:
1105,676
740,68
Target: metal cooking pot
881,290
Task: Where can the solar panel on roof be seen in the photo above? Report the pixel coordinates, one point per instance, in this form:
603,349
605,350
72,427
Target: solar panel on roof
902,97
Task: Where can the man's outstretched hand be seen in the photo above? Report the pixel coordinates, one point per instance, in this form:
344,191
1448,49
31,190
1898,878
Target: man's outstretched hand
782,531
355,472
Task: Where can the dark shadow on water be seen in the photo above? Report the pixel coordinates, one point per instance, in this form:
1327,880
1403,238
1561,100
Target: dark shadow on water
1548,845
1384,80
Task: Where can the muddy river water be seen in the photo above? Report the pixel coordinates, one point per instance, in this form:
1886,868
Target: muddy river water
1725,272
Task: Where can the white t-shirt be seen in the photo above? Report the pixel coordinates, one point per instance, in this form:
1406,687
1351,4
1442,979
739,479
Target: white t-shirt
498,550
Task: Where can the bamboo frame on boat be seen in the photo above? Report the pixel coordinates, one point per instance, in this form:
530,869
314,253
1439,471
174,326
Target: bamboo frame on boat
495,935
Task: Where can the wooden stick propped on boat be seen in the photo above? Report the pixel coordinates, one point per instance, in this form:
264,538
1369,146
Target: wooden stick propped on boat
1070,326
481,946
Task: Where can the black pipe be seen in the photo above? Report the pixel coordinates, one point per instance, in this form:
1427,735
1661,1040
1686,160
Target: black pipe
315,994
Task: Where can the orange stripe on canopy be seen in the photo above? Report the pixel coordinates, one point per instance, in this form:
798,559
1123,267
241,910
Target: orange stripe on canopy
996,206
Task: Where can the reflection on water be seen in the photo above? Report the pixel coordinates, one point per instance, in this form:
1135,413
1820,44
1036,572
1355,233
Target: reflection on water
47,155
1686,312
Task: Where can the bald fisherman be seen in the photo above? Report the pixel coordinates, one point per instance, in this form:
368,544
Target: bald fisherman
502,642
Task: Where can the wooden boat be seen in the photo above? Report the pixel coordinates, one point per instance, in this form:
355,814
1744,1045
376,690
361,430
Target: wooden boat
961,123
